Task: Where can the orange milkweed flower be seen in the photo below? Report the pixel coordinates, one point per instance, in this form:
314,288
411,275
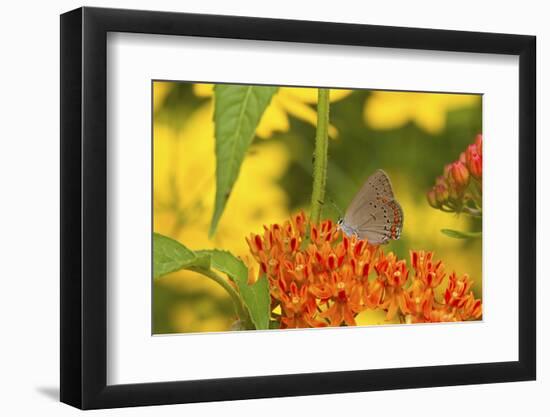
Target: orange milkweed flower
394,274
341,295
299,307
318,277
428,275
458,291
471,309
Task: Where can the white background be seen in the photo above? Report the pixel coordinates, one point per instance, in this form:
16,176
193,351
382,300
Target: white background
133,60
29,211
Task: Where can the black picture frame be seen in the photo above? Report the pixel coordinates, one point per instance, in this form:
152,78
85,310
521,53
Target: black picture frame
84,207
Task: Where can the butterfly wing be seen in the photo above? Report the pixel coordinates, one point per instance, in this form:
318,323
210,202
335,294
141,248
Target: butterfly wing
385,222
377,185
373,213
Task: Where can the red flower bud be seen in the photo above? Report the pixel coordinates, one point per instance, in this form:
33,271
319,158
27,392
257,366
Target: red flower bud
470,151
479,143
475,165
432,199
460,175
447,171
441,193
451,189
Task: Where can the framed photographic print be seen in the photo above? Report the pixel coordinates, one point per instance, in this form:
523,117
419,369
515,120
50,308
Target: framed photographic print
258,208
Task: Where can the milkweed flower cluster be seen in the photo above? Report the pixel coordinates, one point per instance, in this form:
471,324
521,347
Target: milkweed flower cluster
459,188
328,278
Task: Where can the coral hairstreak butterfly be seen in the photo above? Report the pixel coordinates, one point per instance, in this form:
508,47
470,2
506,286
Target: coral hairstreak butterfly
374,214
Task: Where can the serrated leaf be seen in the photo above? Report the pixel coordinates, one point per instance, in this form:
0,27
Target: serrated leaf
457,234
237,112
169,256
255,297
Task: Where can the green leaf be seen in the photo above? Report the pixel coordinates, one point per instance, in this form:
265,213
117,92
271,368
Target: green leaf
274,324
170,256
256,296
237,112
457,234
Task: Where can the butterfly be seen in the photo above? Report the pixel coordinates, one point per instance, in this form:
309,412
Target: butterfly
374,214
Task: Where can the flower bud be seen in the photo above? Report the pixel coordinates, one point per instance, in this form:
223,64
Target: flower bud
460,175
471,151
441,193
432,199
440,180
479,143
454,193
475,165
447,171
462,157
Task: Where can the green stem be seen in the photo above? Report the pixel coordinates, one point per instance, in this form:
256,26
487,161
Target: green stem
321,156
244,317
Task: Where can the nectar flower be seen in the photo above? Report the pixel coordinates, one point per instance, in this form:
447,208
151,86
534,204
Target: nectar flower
457,291
320,277
395,274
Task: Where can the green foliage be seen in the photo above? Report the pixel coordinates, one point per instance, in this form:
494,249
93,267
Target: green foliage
169,298
255,297
274,324
171,256
412,157
457,234
237,112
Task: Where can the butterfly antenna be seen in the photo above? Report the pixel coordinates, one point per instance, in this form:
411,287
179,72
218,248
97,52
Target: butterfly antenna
333,204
